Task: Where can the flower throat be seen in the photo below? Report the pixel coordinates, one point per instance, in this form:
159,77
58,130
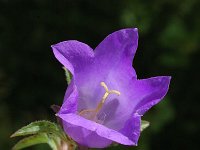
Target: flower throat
92,113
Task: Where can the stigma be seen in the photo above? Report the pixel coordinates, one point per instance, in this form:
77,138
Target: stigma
92,113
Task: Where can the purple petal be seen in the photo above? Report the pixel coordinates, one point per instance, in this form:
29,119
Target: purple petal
150,91
136,95
117,49
131,128
99,134
112,64
74,55
70,100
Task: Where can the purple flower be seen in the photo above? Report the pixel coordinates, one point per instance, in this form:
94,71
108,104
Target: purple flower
105,101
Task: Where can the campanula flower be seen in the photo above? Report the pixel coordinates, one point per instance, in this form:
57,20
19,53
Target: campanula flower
105,101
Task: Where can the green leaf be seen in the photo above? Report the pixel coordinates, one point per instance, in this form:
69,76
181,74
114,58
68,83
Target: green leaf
68,75
144,125
33,140
40,127
43,132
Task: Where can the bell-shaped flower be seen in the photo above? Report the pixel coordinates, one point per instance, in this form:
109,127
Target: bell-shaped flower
105,101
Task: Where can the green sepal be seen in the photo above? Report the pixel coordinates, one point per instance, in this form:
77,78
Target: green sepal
68,75
144,125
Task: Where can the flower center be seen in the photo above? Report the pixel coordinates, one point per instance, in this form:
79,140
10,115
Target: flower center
92,113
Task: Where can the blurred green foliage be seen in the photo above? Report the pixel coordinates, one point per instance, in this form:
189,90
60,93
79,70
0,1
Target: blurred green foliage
31,79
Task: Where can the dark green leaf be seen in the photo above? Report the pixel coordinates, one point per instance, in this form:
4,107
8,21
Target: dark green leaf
43,132
40,127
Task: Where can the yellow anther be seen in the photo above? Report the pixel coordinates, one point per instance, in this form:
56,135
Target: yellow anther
100,105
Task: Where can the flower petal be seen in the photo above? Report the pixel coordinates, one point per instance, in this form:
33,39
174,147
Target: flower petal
117,48
136,95
152,91
113,57
132,128
99,134
74,55
70,100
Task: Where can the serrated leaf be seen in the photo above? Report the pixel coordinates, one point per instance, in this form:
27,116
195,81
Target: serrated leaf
40,127
144,125
68,75
43,132
33,140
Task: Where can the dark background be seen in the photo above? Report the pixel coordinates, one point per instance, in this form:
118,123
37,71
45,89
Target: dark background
31,79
